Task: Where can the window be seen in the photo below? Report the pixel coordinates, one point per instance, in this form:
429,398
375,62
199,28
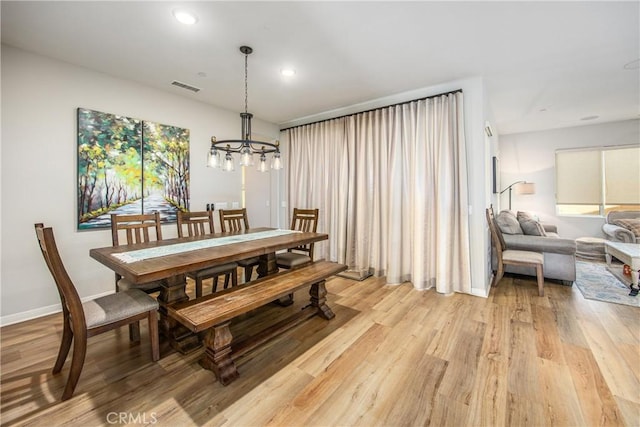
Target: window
594,181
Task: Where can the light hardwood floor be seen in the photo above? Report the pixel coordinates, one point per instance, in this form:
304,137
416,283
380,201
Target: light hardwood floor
393,356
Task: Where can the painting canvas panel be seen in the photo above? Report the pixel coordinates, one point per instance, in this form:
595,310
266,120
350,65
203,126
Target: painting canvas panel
165,169
129,166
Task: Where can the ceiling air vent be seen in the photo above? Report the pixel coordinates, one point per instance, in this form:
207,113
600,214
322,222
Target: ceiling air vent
185,86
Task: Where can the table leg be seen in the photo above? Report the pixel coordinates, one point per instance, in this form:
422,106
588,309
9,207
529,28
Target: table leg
634,263
267,267
180,338
318,294
217,356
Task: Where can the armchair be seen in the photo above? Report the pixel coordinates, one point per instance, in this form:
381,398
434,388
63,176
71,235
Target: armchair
619,226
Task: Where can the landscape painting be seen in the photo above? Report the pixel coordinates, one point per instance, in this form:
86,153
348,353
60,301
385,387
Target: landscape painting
129,166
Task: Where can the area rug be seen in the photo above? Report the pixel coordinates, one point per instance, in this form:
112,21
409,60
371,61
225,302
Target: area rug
595,282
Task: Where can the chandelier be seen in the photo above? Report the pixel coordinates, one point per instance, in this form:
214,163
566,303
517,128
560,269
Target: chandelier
244,147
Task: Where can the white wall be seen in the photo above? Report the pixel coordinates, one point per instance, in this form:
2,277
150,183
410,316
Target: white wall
39,101
531,156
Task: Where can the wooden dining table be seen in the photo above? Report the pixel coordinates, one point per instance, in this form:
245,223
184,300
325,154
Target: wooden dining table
168,261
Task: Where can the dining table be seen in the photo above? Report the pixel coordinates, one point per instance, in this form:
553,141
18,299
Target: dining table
168,261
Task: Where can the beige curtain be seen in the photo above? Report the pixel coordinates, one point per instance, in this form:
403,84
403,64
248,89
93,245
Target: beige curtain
391,188
318,178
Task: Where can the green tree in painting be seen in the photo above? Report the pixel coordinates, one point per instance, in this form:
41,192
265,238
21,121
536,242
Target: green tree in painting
109,162
166,163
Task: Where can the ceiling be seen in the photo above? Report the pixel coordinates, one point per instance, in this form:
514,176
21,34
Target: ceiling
545,64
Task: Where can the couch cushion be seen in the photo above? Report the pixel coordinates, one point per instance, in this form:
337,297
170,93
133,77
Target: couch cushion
540,244
524,216
629,224
523,256
532,228
508,223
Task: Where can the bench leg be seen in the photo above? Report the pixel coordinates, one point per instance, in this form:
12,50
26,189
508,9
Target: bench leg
217,356
318,294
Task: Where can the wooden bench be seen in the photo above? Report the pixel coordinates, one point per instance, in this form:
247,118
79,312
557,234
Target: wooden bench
213,313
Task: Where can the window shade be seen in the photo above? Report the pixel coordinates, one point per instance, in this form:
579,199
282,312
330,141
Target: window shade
622,176
578,177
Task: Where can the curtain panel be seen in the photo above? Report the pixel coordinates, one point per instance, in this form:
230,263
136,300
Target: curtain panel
391,186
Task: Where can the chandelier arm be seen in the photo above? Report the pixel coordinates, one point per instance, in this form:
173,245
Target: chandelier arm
239,144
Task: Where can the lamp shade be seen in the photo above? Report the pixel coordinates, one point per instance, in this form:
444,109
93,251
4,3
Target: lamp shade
526,188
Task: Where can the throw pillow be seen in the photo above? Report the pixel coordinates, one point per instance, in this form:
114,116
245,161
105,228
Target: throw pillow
532,228
508,223
525,216
629,224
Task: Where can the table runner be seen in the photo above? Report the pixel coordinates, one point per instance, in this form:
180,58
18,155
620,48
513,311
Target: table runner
142,254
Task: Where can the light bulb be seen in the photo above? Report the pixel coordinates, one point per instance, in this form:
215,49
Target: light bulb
228,165
262,165
246,158
213,159
276,163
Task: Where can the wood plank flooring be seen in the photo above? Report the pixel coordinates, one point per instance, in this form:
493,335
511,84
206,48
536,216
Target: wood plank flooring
393,356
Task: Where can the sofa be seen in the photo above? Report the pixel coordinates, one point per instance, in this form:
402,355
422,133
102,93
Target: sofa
522,231
622,226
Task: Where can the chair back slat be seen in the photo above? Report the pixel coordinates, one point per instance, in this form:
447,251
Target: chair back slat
135,227
233,219
71,303
305,220
195,223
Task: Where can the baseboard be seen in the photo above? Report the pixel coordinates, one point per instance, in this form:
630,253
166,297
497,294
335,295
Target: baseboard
11,319
484,293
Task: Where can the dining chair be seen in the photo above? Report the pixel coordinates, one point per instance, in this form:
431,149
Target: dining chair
84,320
513,257
302,220
200,224
136,228
236,220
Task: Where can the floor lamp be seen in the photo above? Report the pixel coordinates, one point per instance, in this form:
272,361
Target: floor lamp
524,187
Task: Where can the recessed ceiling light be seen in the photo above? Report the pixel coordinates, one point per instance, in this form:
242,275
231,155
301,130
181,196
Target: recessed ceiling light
288,72
185,17
589,118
